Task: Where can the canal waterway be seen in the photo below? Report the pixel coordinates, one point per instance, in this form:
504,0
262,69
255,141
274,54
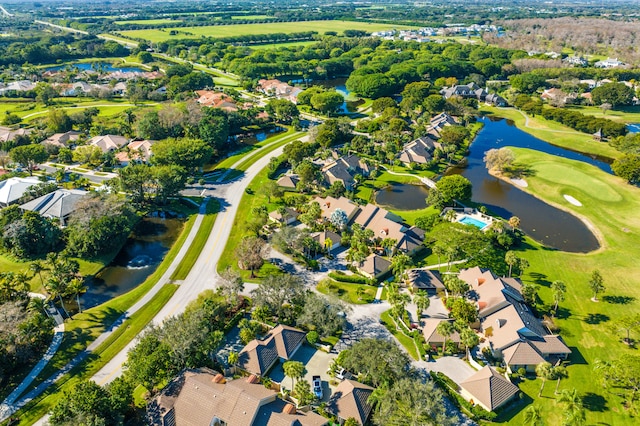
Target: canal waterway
553,227
139,258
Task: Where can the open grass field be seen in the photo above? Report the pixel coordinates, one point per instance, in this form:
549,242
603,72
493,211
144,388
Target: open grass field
348,292
553,132
29,110
148,22
157,35
630,114
611,206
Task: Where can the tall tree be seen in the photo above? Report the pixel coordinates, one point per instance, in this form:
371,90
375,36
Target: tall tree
378,361
574,414
544,370
512,259
559,289
293,369
399,264
29,155
422,302
445,329
596,284
76,287
231,285
251,253
533,416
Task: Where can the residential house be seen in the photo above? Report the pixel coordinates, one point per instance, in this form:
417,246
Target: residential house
349,400
344,169
59,204
419,151
439,122
576,61
62,140
330,204
203,397
609,63
558,96
374,266
7,134
425,280
17,86
259,356
119,89
279,89
472,90
289,216
325,237
108,143
431,335
488,389
217,100
137,151
12,189
507,322
289,181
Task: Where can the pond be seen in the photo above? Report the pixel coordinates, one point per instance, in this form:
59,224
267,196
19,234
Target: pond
351,102
139,258
94,66
403,197
553,227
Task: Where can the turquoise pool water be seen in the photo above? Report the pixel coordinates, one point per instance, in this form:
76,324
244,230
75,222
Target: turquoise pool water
468,220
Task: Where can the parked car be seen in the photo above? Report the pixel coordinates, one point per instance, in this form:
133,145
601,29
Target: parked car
343,374
317,386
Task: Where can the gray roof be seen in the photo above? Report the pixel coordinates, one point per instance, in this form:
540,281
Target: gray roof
489,387
13,188
58,204
258,356
424,279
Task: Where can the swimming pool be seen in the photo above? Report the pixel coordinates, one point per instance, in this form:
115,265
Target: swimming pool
468,220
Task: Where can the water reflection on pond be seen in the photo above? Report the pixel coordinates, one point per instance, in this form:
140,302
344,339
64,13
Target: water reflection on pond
546,224
403,197
95,66
138,259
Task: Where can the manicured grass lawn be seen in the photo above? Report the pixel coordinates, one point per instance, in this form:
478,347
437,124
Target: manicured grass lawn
553,132
148,21
249,17
612,207
114,37
630,114
157,35
275,144
183,269
40,406
406,341
347,291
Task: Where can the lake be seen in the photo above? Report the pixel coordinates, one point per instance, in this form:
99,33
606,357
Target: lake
403,197
87,66
633,127
139,258
553,227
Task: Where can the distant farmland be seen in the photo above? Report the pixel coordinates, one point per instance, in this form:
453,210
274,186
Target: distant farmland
156,35
149,21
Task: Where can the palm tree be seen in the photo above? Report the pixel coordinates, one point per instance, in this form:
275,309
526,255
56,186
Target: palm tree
37,304
559,289
57,288
514,222
399,264
388,244
532,416
511,259
438,251
455,285
360,292
469,338
37,266
445,329
76,286
233,357
559,372
450,215
293,369
544,370
574,411
21,282
422,301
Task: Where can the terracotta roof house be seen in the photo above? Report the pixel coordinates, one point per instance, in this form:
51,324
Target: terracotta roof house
431,335
108,143
12,189
138,151
289,181
62,140
216,100
419,151
425,280
374,266
58,204
289,217
259,356
203,398
322,237
349,400
7,134
557,95
329,204
278,89
488,389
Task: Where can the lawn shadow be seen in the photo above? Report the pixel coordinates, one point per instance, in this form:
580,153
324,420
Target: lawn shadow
563,313
507,413
540,279
618,300
576,357
595,319
594,402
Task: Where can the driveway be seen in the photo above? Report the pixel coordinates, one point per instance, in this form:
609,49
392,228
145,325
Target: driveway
317,364
453,367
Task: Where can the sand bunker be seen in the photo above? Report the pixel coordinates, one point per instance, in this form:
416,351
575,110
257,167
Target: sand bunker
519,182
572,200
